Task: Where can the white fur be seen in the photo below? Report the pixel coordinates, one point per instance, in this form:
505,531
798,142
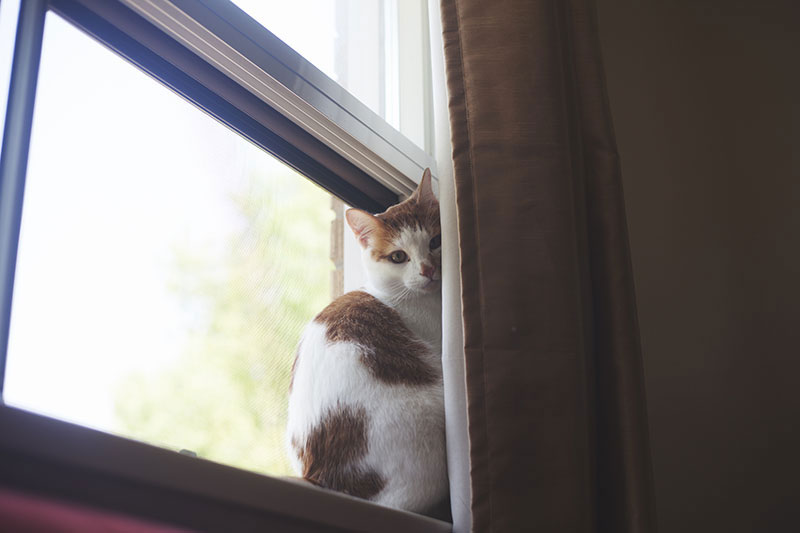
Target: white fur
406,423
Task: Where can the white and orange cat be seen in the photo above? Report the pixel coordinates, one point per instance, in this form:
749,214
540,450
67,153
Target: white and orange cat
366,412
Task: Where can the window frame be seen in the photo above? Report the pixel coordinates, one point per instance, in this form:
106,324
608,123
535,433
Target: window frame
76,463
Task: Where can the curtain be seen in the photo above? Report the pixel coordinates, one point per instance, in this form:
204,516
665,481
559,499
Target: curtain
557,428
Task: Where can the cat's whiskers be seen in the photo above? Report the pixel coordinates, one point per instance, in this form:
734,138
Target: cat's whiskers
397,292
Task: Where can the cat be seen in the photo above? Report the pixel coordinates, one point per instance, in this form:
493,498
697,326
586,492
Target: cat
366,411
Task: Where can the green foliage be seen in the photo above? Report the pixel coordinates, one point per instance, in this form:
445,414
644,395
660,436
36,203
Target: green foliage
225,396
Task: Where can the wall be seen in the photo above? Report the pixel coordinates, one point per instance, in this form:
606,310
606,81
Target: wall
705,102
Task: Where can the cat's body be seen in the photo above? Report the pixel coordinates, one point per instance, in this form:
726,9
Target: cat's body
366,414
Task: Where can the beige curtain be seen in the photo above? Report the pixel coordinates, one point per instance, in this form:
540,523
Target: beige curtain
556,416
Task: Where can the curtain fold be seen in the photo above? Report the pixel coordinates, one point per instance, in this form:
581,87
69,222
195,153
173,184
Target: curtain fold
556,415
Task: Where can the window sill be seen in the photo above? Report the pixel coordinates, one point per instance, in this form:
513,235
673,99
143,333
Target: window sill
86,466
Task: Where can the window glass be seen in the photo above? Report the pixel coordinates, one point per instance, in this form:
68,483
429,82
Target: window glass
166,265
376,49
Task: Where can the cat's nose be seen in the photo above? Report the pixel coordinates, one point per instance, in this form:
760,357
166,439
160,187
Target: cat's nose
427,270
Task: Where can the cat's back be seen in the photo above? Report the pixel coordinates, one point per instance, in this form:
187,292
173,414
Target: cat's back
356,344
387,348
359,373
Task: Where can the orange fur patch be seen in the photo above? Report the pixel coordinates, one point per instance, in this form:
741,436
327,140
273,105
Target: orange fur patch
393,355
332,450
406,214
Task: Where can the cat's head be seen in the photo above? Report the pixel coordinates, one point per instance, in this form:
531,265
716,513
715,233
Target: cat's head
402,246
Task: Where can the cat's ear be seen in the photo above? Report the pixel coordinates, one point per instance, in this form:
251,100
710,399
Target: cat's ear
363,224
424,193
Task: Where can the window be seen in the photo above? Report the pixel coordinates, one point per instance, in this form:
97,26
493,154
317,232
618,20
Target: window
175,235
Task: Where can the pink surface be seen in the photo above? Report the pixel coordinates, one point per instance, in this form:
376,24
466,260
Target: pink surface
21,512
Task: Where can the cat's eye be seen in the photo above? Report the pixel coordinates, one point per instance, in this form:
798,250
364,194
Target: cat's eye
398,257
436,242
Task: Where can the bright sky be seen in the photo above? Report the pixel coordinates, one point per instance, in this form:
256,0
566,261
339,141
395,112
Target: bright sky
119,165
